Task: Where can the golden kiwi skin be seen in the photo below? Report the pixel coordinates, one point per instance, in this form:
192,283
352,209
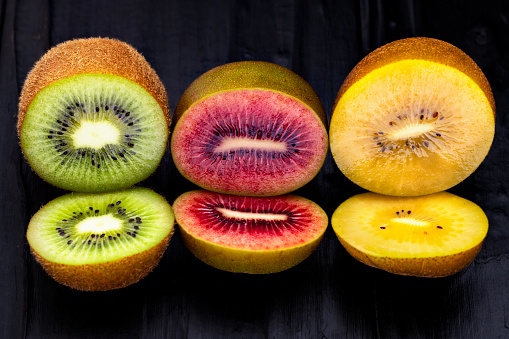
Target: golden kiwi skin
420,48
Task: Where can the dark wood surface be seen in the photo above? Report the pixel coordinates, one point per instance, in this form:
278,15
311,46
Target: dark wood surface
330,295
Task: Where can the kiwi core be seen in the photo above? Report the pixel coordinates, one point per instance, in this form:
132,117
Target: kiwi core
231,144
95,134
103,223
410,131
227,213
410,222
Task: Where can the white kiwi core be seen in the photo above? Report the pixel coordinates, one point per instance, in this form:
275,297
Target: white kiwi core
229,144
99,224
410,222
95,134
410,131
246,215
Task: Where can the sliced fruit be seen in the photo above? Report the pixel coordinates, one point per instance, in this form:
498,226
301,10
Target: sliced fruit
414,117
427,236
249,234
249,128
93,116
102,241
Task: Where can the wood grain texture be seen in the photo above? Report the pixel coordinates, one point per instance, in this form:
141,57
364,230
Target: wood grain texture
329,295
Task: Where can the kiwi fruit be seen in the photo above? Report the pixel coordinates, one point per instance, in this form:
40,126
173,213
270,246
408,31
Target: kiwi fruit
434,235
414,117
93,116
249,128
243,234
101,241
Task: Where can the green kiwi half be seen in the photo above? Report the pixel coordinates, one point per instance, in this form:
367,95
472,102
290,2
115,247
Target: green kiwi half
93,133
101,241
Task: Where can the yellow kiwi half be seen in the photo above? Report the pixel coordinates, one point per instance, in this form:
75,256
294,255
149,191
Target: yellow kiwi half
414,117
427,236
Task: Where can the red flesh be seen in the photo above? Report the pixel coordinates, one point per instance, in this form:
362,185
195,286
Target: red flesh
198,213
256,172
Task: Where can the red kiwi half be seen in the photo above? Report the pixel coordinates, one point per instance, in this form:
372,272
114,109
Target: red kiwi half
249,234
249,128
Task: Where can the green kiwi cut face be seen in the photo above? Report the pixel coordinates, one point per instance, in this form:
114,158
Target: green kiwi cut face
94,133
85,228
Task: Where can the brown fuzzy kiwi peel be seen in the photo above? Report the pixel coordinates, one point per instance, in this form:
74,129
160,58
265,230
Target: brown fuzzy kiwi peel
91,55
250,75
418,48
108,275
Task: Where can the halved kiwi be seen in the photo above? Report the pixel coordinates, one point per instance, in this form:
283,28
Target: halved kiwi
414,117
255,235
249,128
93,116
434,235
101,241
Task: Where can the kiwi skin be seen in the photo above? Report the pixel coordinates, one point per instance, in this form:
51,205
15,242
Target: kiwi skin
436,267
91,55
250,74
247,261
421,48
108,275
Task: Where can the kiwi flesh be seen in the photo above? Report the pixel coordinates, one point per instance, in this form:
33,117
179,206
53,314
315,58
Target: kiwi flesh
414,117
249,128
434,235
89,124
101,241
255,235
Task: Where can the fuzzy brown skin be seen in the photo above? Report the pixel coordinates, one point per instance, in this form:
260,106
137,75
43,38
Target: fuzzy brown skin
92,55
250,74
419,48
430,267
108,275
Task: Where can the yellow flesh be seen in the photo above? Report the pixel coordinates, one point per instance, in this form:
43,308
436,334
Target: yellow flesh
440,224
390,99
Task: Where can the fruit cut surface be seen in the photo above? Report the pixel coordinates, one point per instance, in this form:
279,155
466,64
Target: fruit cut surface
101,241
410,123
248,137
249,234
93,133
433,235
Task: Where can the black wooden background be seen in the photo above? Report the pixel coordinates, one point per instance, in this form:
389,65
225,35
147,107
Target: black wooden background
330,295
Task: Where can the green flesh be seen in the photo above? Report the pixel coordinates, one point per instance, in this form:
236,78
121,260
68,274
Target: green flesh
72,230
94,133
